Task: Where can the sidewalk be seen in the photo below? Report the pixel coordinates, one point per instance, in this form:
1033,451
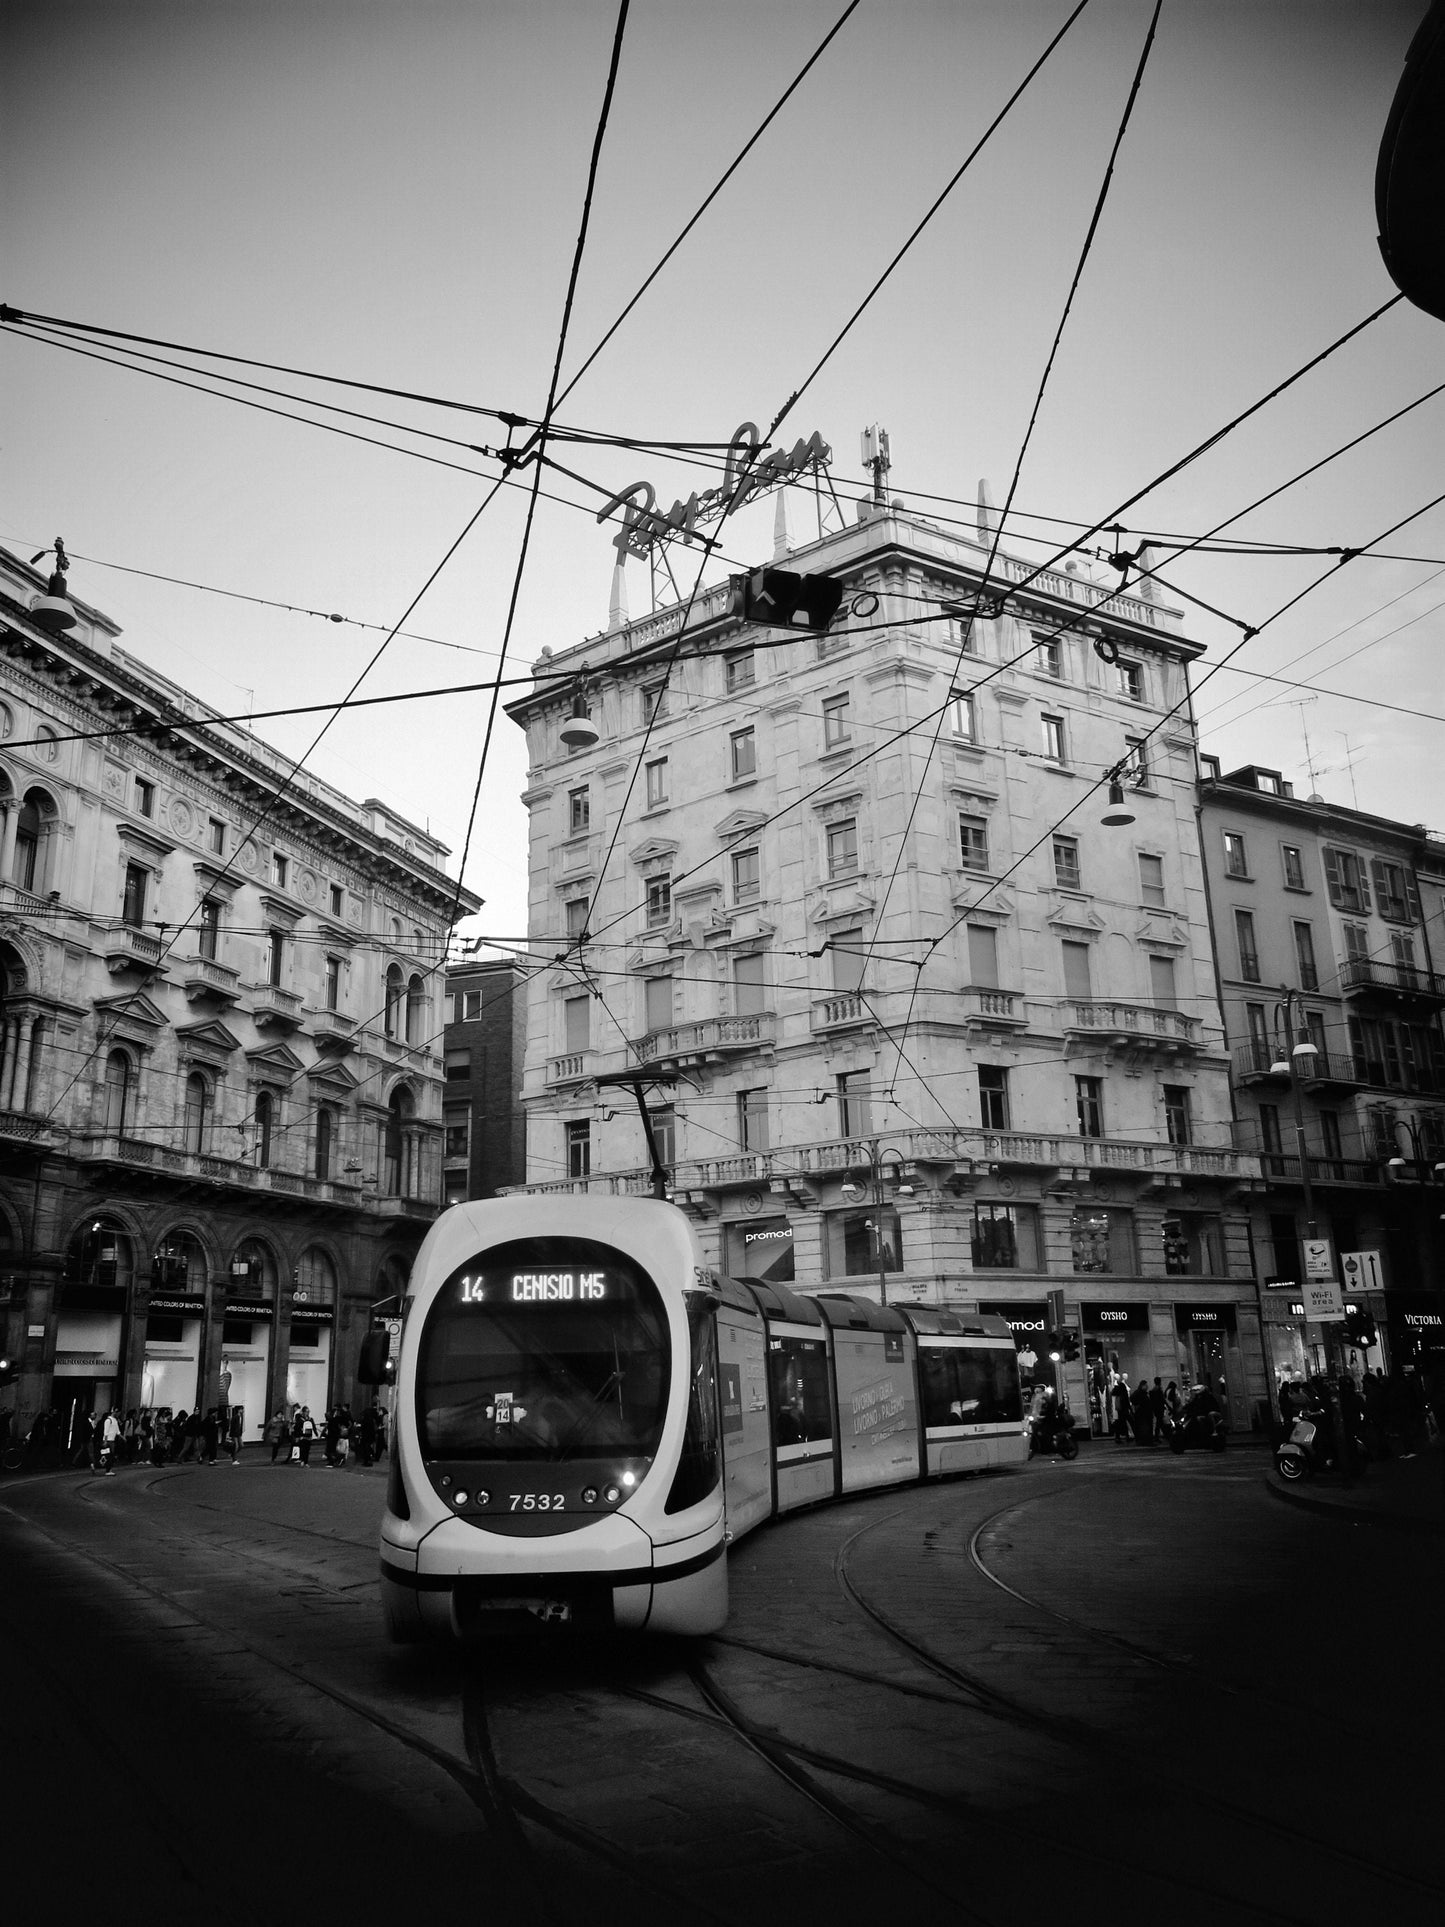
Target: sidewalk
1406,1495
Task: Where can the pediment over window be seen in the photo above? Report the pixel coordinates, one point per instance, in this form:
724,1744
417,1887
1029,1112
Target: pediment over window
1067,915
654,856
144,843
1162,933
139,1010
740,823
275,1060
840,804
332,1080
215,880
208,1035
843,906
997,907
977,800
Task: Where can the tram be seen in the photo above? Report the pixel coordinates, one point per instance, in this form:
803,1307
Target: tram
585,1414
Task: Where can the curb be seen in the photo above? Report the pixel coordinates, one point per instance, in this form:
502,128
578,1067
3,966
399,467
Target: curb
1353,1514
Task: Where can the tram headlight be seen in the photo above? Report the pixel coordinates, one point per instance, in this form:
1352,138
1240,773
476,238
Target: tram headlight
460,1496
612,1494
589,1495
484,1498
629,1479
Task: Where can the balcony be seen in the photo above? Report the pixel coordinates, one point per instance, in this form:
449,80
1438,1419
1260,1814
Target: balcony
273,1008
232,1174
130,949
1256,1061
845,1011
710,1041
331,1031
1366,977
203,979
1140,1026
1278,1169
574,1068
993,1009
16,1127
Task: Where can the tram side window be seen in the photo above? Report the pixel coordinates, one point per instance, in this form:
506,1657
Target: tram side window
798,1389
699,1466
963,1386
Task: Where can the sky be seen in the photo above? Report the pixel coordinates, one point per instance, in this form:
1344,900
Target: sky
391,191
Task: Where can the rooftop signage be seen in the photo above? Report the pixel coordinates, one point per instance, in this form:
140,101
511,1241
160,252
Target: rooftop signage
748,473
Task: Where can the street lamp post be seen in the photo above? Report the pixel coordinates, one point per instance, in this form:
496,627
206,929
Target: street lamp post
876,1180
1294,1057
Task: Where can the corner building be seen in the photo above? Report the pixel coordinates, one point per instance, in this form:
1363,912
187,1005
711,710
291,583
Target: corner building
1044,1104
220,1044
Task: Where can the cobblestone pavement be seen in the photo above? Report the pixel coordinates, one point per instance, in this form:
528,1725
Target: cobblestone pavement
1136,1682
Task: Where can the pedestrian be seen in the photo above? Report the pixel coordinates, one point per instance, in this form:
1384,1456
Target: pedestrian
1157,1407
1119,1397
383,1420
235,1432
333,1433
211,1433
278,1433
85,1440
1173,1401
303,1430
1142,1415
186,1437
343,1434
110,1436
367,1432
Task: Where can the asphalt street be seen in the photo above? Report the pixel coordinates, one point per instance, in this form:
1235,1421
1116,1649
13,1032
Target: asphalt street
1130,1683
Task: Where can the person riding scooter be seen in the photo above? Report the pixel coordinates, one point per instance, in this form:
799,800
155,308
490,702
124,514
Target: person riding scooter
1051,1425
1200,1423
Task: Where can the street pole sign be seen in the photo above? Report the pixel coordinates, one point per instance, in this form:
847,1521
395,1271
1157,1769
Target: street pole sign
1319,1263
1362,1271
1323,1301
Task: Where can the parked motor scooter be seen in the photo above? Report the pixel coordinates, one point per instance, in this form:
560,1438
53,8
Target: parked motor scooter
1053,1431
1197,1425
1309,1447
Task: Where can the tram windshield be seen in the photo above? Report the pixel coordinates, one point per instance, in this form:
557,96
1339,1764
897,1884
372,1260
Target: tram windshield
551,1349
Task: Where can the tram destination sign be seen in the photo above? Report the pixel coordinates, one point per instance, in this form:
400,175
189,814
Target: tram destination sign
578,1286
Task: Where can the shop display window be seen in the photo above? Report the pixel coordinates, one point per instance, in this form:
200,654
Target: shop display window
1103,1240
1193,1246
851,1243
1005,1237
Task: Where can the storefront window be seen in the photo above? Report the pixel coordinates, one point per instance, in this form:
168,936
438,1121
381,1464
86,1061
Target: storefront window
1005,1237
1029,1325
1118,1358
760,1248
1193,1246
1103,1241
851,1244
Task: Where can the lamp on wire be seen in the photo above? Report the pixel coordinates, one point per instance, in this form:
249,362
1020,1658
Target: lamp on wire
54,610
1118,812
579,731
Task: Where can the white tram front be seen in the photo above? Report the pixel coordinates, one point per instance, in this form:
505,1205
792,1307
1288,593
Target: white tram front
584,1414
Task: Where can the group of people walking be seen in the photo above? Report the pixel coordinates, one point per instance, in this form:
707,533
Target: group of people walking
1144,1412
292,1434
157,1436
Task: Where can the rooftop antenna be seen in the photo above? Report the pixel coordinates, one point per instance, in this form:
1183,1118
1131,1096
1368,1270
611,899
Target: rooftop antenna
875,457
1301,703
1350,766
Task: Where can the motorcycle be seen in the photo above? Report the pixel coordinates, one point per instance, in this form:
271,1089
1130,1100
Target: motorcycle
1053,1432
1309,1447
1201,1428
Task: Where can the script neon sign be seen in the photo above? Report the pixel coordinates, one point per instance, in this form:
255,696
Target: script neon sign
748,473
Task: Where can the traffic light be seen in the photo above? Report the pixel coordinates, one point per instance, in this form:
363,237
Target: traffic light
1360,1328
376,1366
785,600
1063,1345
9,1369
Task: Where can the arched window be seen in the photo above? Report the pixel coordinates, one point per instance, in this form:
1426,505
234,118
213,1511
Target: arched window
415,1011
396,1147
117,1093
198,1106
265,1118
395,994
324,1129
180,1264
99,1253
34,825
253,1271
315,1277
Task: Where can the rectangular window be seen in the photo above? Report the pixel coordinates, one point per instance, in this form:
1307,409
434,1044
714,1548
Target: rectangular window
145,797
659,901
835,721
973,842
1357,942
472,1008
333,983
457,1066
1136,762
1089,1104
654,702
747,876
576,916
664,1134
1054,738
1131,681
1076,972
1103,1241
982,957
1402,956
1151,881
216,835
579,1148
576,1023
276,956
853,1244
657,783
1176,1112
849,953
1049,656
1269,1137
208,936
1330,1133
1261,1055
1304,956
1294,867
842,848
133,910
1346,882
1394,892
1066,862
750,995
579,810
1161,983
1236,862
1193,1246
338,900
963,716
744,753
740,670
1005,1237
457,1128
280,869
855,1104
993,1097
1248,954
657,999
753,1120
